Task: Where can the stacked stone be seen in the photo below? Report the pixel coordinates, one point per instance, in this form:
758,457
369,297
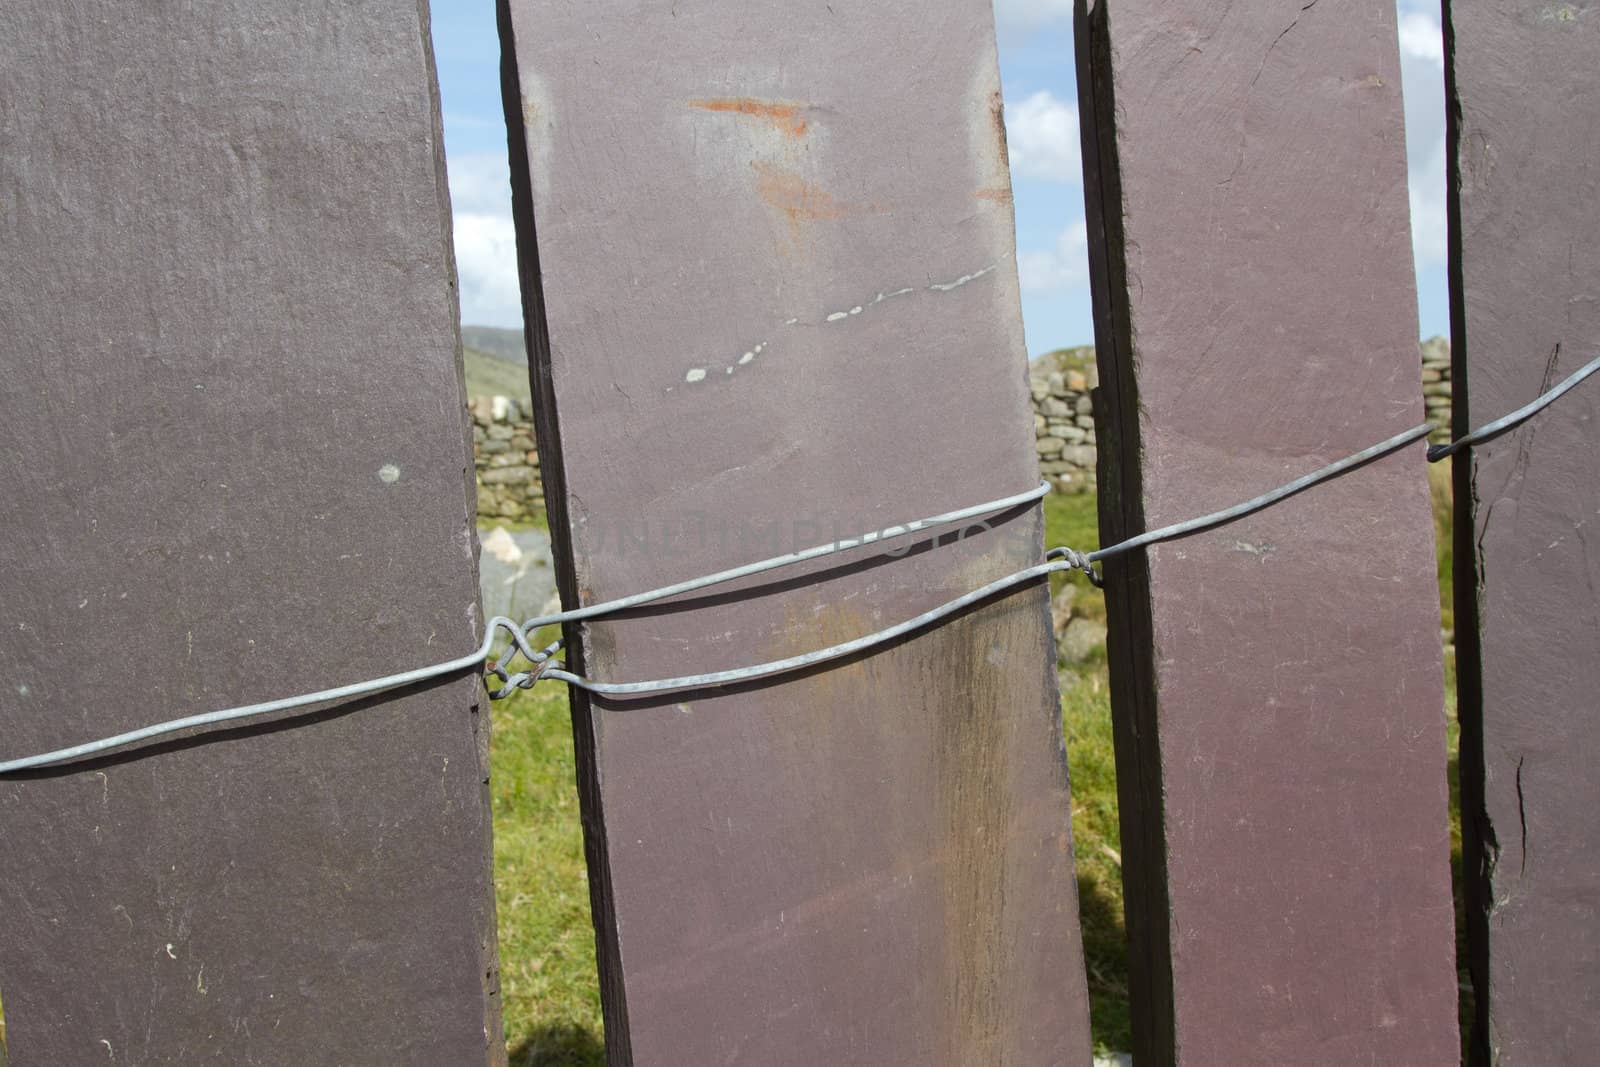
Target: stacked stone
1436,386
506,458
1063,423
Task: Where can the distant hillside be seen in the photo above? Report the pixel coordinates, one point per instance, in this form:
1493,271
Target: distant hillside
490,375
1063,359
504,345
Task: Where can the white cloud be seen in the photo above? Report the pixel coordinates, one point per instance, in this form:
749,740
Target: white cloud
1430,226
1420,38
480,182
485,239
1422,79
1042,138
1031,12
486,261
1066,266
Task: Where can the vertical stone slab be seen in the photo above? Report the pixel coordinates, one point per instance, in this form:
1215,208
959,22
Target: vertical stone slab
1524,103
774,300
1281,751
237,469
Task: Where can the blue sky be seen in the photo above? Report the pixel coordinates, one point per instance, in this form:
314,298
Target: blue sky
1036,67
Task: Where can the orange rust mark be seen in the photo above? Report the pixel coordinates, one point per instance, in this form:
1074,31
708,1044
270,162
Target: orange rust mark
794,196
802,201
785,118
1000,194
997,115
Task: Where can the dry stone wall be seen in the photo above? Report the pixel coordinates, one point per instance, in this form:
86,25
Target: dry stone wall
1436,386
1063,424
509,486
1063,384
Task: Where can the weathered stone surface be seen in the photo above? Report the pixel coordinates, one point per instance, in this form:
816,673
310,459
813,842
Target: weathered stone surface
1081,640
769,170
1526,172
1061,608
1080,456
508,476
516,573
1281,762
234,470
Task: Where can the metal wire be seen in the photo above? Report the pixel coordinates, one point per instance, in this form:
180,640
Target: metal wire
1057,560
542,665
1265,500
808,659
1516,418
520,641
788,559
1068,559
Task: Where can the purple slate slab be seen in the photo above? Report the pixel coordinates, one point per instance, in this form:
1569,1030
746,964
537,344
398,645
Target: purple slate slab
775,265
237,468
1525,83
1277,682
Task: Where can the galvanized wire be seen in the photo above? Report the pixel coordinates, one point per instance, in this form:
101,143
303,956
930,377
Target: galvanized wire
1057,560
1510,422
1066,559
520,640
542,665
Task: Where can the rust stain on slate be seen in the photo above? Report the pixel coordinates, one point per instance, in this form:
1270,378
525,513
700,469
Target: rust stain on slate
786,118
801,201
797,198
997,117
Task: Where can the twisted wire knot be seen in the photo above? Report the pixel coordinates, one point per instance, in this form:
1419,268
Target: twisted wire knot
1078,561
539,659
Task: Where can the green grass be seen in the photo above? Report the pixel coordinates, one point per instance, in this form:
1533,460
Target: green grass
548,984
1097,847
1440,494
1070,520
